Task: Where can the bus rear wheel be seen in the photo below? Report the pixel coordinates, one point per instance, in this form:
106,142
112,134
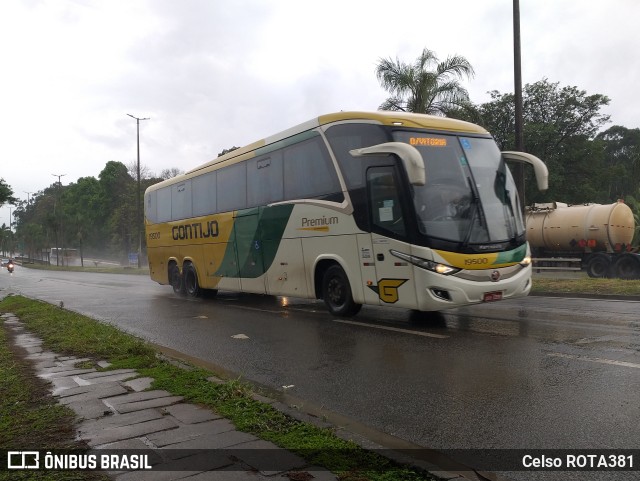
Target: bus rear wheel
336,293
176,280
191,286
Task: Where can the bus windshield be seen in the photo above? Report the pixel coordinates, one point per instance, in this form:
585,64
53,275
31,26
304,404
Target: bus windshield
466,179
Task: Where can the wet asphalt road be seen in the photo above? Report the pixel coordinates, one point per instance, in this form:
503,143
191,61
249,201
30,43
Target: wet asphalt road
532,373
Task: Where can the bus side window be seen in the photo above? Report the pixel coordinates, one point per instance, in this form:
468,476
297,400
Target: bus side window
231,188
384,200
265,181
181,206
163,204
204,194
151,207
309,171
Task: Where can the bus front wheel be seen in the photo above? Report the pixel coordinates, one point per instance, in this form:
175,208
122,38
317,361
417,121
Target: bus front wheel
336,293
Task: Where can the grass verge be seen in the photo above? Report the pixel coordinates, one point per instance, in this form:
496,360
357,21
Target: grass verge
586,285
68,333
31,419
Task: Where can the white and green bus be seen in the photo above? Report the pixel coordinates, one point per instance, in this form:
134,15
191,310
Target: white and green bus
378,208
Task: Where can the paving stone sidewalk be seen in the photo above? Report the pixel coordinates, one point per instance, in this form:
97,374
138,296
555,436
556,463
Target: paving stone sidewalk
188,441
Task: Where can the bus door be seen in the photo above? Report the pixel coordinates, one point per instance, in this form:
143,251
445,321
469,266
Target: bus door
393,284
249,250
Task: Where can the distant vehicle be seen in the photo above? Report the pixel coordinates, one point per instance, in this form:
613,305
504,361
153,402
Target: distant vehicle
379,208
63,257
10,267
4,262
599,235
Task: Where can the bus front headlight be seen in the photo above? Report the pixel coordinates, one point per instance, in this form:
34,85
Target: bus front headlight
526,261
432,266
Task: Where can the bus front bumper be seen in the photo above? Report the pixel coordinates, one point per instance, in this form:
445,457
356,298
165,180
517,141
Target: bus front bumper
473,287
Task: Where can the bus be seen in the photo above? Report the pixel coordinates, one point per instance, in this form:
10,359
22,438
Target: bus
378,208
62,256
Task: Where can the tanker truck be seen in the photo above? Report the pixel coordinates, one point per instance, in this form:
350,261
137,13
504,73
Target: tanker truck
599,235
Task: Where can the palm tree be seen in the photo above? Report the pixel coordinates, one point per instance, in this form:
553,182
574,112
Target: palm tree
416,88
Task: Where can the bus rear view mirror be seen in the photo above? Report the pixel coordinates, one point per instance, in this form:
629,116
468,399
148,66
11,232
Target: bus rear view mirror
409,155
539,167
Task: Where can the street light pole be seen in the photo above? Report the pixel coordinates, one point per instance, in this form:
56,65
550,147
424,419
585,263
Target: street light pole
138,201
30,251
59,176
518,171
9,244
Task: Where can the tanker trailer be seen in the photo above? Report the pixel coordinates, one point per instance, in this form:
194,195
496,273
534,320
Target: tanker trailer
600,235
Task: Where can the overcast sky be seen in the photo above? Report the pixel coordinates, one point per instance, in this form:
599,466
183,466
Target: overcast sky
211,74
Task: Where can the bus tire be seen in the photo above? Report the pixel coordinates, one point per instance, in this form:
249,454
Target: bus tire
599,265
191,286
336,293
175,279
627,266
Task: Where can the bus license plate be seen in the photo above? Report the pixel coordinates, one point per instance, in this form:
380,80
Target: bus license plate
492,296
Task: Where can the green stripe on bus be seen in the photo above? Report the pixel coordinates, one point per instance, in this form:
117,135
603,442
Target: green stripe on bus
254,241
309,134
515,255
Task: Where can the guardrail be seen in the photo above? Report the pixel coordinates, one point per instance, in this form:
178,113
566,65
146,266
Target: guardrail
557,264
26,260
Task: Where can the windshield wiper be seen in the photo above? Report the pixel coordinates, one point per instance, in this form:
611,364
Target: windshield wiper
475,200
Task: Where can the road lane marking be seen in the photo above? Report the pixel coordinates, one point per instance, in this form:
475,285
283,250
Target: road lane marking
595,359
394,329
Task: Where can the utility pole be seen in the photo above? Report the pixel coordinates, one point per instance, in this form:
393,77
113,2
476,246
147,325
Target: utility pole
11,238
24,238
518,170
138,197
59,176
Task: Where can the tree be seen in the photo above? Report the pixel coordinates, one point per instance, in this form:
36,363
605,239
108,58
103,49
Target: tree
115,181
6,240
226,151
417,88
633,201
6,194
622,158
99,215
498,116
36,223
85,216
553,115
145,172
170,173
119,194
